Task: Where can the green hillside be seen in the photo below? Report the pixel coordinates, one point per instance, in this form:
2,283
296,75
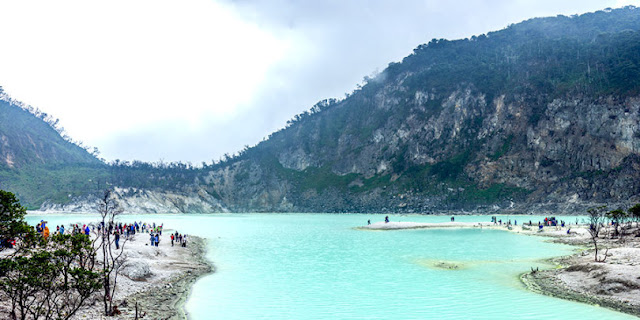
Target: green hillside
36,162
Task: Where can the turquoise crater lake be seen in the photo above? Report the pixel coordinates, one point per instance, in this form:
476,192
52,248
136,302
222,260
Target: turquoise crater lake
317,266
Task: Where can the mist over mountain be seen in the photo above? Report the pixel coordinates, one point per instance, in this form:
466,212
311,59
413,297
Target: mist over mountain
542,116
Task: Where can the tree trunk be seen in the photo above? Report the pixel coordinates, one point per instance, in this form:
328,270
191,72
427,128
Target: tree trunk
595,244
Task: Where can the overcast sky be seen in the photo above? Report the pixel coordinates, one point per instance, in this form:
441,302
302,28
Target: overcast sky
192,79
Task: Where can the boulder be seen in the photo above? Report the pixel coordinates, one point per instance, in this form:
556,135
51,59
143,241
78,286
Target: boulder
136,270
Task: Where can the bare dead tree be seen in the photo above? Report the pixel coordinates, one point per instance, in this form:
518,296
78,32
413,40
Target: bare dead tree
596,219
112,258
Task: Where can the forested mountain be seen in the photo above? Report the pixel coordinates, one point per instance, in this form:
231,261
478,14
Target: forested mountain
29,136
36,162
541,116
41,164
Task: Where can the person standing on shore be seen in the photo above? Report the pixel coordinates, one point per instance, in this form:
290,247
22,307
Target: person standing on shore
157,239
152,239
172,239
117,236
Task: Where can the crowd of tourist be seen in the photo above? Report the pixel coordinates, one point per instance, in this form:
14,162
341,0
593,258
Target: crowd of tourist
548,222
179,238
118,230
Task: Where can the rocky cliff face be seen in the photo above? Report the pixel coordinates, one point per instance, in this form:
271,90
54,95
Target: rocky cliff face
474,154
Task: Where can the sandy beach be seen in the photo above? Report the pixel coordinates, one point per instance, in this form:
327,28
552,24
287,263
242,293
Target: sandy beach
159,279
614,283
162,289
397,225
172,272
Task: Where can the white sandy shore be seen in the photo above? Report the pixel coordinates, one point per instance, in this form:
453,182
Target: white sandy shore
158,278
575,231
161,294
395,225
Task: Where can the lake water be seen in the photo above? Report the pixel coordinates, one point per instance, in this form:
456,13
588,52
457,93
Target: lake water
317,266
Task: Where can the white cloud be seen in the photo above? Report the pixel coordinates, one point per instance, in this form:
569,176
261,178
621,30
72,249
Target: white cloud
116,66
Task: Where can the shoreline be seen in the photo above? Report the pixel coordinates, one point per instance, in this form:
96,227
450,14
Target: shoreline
38,212
546,282
167,299
613,284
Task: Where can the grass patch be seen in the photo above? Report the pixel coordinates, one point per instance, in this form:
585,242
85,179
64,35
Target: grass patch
506,146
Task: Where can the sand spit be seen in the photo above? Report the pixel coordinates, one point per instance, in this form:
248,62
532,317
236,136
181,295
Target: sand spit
614,283
162,291
395,225
176,273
